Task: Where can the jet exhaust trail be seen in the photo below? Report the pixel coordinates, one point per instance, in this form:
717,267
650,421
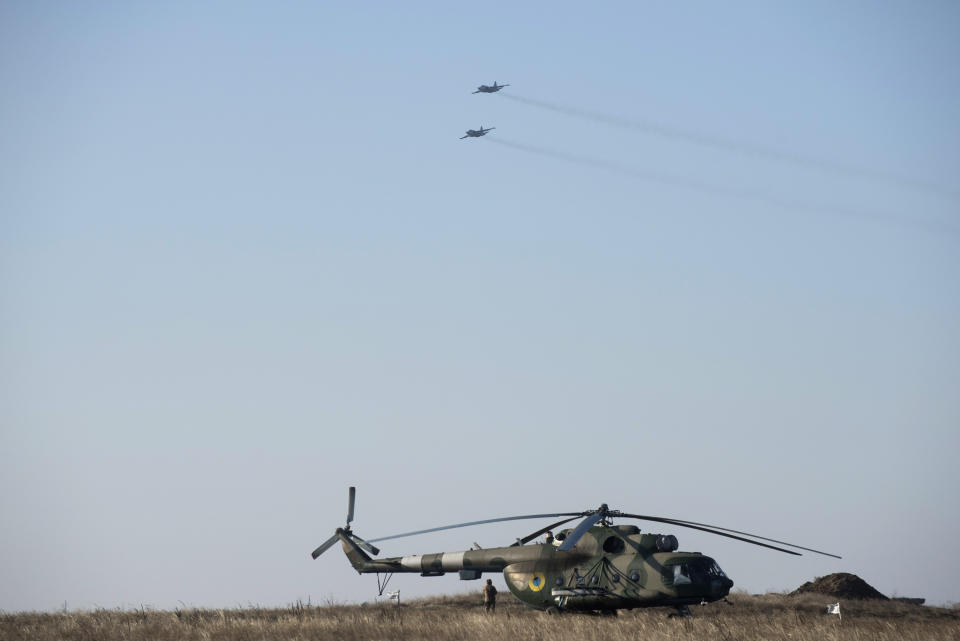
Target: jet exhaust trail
756,196
560,155
734,146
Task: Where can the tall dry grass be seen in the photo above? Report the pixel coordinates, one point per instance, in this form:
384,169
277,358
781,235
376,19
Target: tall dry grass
461,618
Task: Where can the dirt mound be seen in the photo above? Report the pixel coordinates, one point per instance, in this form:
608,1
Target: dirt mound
841,585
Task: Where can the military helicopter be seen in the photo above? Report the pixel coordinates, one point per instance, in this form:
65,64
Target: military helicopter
490,89
595,566
476,133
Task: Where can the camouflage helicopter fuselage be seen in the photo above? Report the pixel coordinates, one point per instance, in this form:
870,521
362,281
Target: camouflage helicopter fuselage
609,568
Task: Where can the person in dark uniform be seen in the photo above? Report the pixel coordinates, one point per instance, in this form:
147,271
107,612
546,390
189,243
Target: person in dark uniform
490,596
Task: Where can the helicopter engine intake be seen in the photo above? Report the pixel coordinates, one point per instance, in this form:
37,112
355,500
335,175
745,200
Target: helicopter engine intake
667,543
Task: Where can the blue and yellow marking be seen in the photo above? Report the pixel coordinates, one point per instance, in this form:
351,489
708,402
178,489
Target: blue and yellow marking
537,581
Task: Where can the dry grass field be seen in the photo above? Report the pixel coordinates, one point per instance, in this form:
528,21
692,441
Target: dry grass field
462,618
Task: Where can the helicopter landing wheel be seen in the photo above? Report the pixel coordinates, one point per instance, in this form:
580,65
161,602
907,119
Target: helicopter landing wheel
553,611
683,612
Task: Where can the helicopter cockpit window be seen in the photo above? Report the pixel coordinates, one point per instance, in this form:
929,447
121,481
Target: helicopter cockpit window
715,571
696,571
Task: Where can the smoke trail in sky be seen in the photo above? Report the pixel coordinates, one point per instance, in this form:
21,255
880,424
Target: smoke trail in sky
734,146
560,155
934,226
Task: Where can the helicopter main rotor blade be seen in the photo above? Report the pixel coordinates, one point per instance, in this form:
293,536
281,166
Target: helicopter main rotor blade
705,529
350,501
469,523
325,546
580,530
757,536
552,526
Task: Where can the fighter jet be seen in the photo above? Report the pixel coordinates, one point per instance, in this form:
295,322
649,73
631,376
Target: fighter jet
489,89
474,133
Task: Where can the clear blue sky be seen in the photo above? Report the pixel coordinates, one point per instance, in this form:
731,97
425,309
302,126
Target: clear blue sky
706,266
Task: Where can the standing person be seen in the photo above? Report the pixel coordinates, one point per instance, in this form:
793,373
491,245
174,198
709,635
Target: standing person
490,596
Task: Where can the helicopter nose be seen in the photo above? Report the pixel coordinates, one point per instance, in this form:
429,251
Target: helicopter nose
720,588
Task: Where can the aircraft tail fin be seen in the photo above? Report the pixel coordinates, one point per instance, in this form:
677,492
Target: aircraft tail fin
358,558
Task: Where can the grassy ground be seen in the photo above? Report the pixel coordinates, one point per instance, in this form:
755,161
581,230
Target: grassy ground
462,618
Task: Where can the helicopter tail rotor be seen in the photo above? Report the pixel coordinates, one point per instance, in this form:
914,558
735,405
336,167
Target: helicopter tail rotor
350,501
372,549
326,545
